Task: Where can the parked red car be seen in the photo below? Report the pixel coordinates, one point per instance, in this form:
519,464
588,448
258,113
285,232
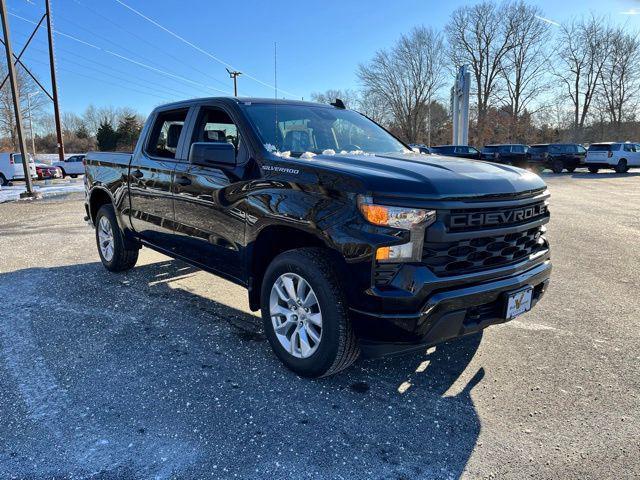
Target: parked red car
45,171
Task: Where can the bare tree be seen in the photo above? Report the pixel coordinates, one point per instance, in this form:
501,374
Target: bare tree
583,47
620,79
407,77
26,87
348,97
481,36
374,106
525,65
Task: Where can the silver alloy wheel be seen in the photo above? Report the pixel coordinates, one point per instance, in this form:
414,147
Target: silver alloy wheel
295,315
105,237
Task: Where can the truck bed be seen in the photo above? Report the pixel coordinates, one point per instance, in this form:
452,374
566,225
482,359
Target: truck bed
107,168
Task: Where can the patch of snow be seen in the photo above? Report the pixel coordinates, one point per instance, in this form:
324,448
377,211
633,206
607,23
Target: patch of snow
9,194
329,151
286,154
308,155
270,148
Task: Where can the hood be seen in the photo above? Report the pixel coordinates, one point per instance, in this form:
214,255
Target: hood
400,174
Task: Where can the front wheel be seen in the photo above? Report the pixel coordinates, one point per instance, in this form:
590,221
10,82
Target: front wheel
571,169
305,315
116,253
594,169
3,180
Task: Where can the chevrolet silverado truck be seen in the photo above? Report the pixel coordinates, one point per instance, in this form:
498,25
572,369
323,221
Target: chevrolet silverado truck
347,240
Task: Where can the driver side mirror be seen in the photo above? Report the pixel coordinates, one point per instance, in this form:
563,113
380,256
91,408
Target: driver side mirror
213,154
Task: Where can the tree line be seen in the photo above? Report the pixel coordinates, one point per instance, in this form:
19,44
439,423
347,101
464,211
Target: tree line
533,79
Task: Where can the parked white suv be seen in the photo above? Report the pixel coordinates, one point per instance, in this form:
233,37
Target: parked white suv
11,167
71,166
617,155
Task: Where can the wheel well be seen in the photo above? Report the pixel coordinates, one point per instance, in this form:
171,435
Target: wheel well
271,242
98,198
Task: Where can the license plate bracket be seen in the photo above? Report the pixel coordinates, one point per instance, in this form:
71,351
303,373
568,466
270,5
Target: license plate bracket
518,302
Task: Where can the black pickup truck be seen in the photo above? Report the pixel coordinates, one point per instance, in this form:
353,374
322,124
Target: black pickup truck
347,240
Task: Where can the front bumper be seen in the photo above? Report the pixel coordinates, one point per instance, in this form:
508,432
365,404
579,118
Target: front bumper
446,314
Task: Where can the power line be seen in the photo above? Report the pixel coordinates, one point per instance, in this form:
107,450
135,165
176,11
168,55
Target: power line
102,80
144,40
109,70
133,53
122,57
184,40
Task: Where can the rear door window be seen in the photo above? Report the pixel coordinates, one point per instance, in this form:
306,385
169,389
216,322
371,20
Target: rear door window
166,134
600,148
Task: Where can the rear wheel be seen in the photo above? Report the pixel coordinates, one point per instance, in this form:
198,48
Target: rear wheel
594,169
116,253
73,175
64,174
557,166
621,167
3,180
571,169
305,314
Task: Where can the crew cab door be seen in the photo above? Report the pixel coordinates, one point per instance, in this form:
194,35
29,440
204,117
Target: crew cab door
210,226
150,176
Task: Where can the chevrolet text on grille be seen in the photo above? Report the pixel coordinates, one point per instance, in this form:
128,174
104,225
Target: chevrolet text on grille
479,219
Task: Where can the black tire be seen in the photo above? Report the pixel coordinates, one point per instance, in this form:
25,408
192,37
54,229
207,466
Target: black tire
594,169
557,166
338,347
125,252
3,180
621,167
64,174
571,169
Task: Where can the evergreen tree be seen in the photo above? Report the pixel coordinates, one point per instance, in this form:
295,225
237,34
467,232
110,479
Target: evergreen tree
107,137
82,131
128,132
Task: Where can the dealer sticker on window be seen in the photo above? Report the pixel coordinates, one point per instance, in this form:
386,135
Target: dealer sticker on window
519,303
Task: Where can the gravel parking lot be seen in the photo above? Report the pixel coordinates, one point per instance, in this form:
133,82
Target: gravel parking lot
163,372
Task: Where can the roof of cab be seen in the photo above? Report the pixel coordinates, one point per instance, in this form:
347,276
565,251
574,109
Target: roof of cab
241,101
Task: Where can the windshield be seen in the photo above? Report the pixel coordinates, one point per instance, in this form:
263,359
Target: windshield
17,157
305,128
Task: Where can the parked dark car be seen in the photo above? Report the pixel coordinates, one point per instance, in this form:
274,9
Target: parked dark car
460,151
558,156
515,154
346,240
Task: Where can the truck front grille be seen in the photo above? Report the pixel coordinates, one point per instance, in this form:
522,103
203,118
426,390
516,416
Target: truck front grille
483,252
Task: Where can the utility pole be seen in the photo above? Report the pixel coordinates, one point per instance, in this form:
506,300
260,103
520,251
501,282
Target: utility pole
54,85
232,74
16,102
33,142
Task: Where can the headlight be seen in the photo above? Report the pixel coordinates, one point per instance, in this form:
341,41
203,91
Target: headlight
416,220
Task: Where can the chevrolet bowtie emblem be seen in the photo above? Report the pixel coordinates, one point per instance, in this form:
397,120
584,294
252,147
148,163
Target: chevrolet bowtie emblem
518,302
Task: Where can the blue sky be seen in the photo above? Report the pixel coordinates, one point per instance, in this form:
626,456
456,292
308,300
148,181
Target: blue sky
126,60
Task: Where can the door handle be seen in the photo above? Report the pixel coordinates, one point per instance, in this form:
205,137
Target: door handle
137,173
183,181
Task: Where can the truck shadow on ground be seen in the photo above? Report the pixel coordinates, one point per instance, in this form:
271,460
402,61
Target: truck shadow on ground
602,175
136,376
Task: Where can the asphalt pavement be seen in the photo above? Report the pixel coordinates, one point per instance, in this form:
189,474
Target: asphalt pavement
163,372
